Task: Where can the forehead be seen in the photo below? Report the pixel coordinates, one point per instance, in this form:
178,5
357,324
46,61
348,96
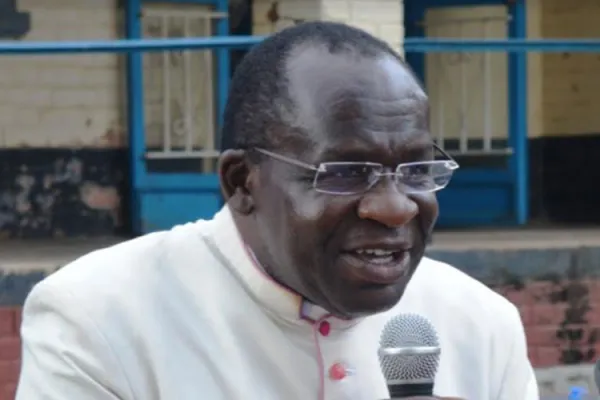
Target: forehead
349,103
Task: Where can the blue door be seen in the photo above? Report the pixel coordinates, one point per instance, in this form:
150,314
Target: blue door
489,141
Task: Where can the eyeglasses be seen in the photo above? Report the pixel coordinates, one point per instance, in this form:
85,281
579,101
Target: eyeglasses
350,178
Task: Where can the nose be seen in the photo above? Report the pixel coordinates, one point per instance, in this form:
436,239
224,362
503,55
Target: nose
387,205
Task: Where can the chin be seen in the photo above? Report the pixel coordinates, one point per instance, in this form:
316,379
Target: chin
373,300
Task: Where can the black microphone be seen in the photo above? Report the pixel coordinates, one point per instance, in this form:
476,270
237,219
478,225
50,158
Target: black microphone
409,354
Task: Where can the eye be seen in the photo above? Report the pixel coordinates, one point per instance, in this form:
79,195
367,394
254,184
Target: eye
341,171
418,176
342,177
353,171
417,171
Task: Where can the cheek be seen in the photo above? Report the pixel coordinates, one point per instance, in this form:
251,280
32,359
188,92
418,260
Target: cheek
307,205
311,216
294,215
427,202
428,210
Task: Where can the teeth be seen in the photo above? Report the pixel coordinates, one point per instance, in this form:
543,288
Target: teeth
376,252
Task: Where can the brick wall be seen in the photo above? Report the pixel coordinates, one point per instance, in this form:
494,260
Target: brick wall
445,76
564,123
62,127
382,18
554,283
10,351
63,101
562,320
64,166
570,83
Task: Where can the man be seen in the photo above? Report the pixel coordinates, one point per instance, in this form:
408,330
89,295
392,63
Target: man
330,178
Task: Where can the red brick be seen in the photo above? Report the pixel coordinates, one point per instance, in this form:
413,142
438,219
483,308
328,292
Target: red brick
538,291
594,290
549,335
517,297
590,353
525,312
10,348
18,311
542,336
9,371
547,356
532,354
547,314
9,391
593,315
7,321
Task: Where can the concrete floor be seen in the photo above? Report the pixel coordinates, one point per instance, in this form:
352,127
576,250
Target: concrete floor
510,239
27,255
35,255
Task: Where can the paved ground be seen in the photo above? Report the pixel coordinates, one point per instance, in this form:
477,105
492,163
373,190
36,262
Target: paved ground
22,256
512,239
561,379
26,255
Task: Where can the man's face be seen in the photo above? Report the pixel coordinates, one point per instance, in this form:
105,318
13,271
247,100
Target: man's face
335,249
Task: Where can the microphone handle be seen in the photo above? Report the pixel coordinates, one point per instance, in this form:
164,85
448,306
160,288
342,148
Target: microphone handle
406,390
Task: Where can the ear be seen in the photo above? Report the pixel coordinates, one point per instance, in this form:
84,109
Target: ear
235,180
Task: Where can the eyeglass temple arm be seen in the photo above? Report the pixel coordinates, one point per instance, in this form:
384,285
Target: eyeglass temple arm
448,156
287,160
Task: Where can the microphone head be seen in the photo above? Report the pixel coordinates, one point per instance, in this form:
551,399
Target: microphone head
409,350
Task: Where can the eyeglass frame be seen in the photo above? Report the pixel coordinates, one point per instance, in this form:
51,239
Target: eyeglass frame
452,165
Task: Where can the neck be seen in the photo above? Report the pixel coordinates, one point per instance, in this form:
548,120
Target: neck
254,246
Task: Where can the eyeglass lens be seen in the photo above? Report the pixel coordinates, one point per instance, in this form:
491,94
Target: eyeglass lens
348,178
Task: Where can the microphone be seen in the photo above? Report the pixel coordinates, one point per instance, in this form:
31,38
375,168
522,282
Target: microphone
409,354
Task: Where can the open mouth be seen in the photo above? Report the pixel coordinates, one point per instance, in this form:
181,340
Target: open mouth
378,256
378,266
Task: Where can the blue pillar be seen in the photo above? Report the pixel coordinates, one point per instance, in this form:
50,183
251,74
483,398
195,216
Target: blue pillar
518,115
223,65
135,110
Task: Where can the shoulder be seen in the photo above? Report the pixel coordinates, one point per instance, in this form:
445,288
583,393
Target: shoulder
123,271
94,308
446,286
463,310
478,329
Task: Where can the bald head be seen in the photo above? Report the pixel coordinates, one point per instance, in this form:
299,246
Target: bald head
347,72
318,78
350,96
265,89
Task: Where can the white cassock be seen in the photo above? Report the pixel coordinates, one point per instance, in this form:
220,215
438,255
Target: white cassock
186,314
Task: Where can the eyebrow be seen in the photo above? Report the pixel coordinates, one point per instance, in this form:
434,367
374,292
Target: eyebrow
364,153
419,147
346,154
